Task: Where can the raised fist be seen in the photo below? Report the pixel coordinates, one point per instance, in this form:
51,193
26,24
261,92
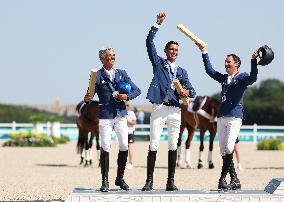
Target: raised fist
160,18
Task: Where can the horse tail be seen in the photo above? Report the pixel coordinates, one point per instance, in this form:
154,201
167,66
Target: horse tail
80,143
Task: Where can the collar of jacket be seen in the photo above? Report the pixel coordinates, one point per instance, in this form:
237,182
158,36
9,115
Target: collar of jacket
105,75
167,65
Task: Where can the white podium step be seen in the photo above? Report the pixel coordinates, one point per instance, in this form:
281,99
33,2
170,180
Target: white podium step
91,195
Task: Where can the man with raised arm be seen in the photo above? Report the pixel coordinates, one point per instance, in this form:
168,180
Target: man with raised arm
230,114
166,103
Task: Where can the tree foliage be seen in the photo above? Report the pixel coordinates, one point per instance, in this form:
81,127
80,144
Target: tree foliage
24,114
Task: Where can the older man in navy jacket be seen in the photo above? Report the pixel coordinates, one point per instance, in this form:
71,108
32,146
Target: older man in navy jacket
166,105
230,114
112,115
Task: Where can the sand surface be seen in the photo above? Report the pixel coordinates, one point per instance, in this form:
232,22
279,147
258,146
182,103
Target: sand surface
51,174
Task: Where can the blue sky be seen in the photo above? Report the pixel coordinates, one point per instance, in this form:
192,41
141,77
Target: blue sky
48,47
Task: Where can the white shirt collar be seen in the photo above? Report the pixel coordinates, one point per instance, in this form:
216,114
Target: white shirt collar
229,80
172,65
111,73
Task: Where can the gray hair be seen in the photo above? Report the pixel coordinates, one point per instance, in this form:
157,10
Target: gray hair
103,51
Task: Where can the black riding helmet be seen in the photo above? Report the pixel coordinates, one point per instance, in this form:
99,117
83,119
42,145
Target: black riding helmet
266,55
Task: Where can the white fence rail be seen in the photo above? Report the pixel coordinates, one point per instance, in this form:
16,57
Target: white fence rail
257,131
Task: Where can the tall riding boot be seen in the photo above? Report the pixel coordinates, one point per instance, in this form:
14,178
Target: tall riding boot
225,169
121,163
172,158
151,159
104,161
235,182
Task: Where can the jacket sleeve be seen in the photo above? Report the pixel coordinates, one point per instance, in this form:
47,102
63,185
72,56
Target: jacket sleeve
135,90
187,85
151,49
210,71
252,77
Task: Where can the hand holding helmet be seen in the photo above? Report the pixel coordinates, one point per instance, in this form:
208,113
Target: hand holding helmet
123,89
254,55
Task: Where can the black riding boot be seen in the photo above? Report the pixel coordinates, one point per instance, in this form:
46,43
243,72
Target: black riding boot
104,161
151,159
235,182
227,159
121,163
172,158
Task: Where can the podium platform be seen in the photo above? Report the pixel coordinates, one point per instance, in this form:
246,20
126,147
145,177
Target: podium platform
115,195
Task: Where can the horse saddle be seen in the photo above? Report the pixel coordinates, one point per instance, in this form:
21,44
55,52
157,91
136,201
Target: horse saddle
198,103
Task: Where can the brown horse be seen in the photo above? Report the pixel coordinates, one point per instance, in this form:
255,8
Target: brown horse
203,116
87,122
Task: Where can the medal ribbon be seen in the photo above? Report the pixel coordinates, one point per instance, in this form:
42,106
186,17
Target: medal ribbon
226,86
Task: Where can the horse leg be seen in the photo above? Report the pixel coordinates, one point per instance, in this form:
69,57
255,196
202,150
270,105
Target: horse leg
201,148
90,145
179,153
98,149
187,146
86,149
211,143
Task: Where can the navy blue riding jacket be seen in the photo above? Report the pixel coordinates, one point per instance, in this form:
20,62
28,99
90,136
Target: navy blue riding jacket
232,105
110,107
160,86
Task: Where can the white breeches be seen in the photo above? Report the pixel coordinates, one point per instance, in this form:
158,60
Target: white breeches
106,126
160,116
228,129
